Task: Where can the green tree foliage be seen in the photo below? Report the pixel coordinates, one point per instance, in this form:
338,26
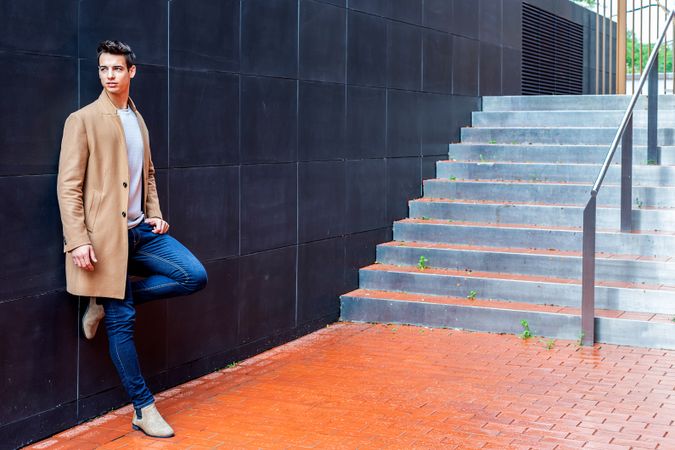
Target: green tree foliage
586,3
665,56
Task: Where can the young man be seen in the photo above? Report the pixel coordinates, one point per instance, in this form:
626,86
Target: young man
113,226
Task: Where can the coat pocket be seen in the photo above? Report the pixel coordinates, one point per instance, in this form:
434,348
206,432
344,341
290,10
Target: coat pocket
91,212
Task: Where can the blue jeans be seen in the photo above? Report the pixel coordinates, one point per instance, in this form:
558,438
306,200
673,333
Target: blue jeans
170,270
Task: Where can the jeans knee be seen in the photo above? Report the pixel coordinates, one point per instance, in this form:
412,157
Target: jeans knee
197,280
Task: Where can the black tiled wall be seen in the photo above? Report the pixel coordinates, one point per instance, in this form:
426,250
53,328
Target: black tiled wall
288,135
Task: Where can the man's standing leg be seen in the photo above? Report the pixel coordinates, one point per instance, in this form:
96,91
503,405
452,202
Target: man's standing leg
120,316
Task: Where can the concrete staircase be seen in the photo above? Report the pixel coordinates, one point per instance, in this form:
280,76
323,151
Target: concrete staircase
496,239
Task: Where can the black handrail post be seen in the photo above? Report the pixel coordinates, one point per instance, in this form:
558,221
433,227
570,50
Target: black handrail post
627,177
653,153
588,275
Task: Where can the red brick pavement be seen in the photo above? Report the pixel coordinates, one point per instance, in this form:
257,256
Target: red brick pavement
389,386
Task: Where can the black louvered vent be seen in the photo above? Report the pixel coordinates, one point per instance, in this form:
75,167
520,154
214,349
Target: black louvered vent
553,51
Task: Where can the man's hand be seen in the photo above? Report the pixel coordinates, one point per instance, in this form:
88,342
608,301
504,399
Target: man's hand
84,257
158,225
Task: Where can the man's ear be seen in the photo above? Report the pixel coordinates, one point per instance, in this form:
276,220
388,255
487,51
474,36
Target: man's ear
132,71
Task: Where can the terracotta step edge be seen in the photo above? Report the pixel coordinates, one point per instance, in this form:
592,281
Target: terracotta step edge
520,251
508,276
507,305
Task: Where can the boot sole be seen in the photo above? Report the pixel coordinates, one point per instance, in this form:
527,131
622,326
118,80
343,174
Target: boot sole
137,428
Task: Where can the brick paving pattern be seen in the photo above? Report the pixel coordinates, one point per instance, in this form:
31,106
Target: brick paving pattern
390,386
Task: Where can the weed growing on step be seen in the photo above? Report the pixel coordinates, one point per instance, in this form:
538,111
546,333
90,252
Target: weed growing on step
492,141
526,334
481,157
548,343
232,365
638,202
472,295
423,263
580,341
453,178
651,162
425,218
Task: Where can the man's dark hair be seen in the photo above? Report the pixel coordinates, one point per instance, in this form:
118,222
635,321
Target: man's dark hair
116,48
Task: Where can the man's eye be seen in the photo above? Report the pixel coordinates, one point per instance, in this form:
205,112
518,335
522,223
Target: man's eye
118,69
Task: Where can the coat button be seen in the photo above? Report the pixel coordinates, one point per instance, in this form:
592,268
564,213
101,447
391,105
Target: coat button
124,184
124,214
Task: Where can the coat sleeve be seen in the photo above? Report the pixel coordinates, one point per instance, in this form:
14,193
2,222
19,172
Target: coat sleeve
70,180
152,202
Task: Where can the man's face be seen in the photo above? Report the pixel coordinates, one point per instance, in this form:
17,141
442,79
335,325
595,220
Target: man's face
114,74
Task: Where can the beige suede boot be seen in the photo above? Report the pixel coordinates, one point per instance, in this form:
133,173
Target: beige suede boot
92,316
151,422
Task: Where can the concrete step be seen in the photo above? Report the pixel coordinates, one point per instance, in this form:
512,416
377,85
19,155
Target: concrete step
648,175
504,317
542,215
564,118
534,290
571,102
571,154
559,135
529,236
541,263
546,193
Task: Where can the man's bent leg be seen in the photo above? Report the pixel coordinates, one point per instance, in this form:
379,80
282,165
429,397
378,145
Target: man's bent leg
171,269
120,316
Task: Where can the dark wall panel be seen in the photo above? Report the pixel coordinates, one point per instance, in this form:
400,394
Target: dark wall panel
321,192
438,14
321,125
142,25
205,35
367,50
30,140
39,349
210,231
269,118
435,112
366,188
404,56
268,206
321,279
210,314
360,252
490,69
366,122
404,130
322,41
269,37
266,308
465,17
32,261
465,66
403,184
437,57
204,101
490,29
55,20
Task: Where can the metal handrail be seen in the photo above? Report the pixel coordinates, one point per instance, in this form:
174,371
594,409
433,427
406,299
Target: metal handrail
624,135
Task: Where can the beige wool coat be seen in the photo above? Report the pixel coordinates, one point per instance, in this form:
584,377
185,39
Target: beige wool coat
93,195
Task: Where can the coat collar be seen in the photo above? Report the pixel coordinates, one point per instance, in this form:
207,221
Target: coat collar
109,107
